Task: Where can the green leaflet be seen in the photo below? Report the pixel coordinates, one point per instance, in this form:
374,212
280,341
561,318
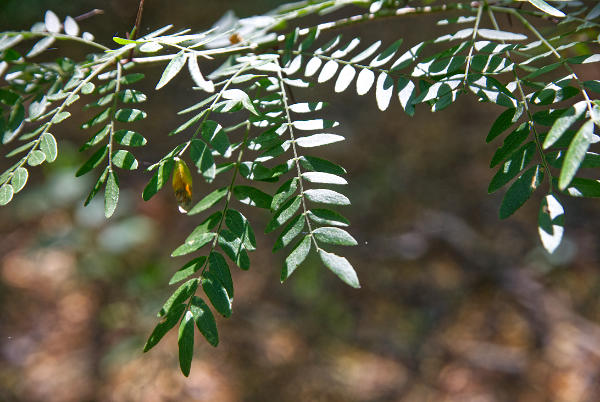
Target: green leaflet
512,166
217,294
576,154
323,178
37,158
6,193
290,232
561,124
205,321
235,248
218,266
556,159
334,236
172,69
111,194
194,244
315,164
124,159
214,135
240,227
202,157
182,293
520,191
163,327
503,122
48,147
99,183
206,226
284,192
237,97
580,187
20,149
325,196
252,196
99,118
129,138
208,201
93,161
59,117
512,141
97,138
284,213
159,179
130,115
327,217
185,341
547,8
131,96
19,179
296,257
187,270
341,267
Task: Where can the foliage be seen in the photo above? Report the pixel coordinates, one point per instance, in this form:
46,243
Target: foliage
248,126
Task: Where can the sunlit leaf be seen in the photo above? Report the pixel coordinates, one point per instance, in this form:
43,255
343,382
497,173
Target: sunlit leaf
111,194
6,193
551,223
71,27
341,267
317,140
576,154
284,213
296,257
345,78
48,147
325,196
547,8
384,90
172,69
19,179
364,82
289,233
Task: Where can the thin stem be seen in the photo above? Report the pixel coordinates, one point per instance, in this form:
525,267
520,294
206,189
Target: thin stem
89,14
475,29
112,113
59,36
138,21
531,124
136,27
294,150
226,208
229,192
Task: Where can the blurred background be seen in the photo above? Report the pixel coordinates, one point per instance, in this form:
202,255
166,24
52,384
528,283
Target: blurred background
455,304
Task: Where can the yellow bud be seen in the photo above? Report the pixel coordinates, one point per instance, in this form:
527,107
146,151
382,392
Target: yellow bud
182,185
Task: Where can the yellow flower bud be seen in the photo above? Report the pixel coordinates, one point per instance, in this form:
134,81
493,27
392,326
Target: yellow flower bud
182,185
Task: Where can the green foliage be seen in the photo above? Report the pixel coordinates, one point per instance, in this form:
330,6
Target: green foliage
250,129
